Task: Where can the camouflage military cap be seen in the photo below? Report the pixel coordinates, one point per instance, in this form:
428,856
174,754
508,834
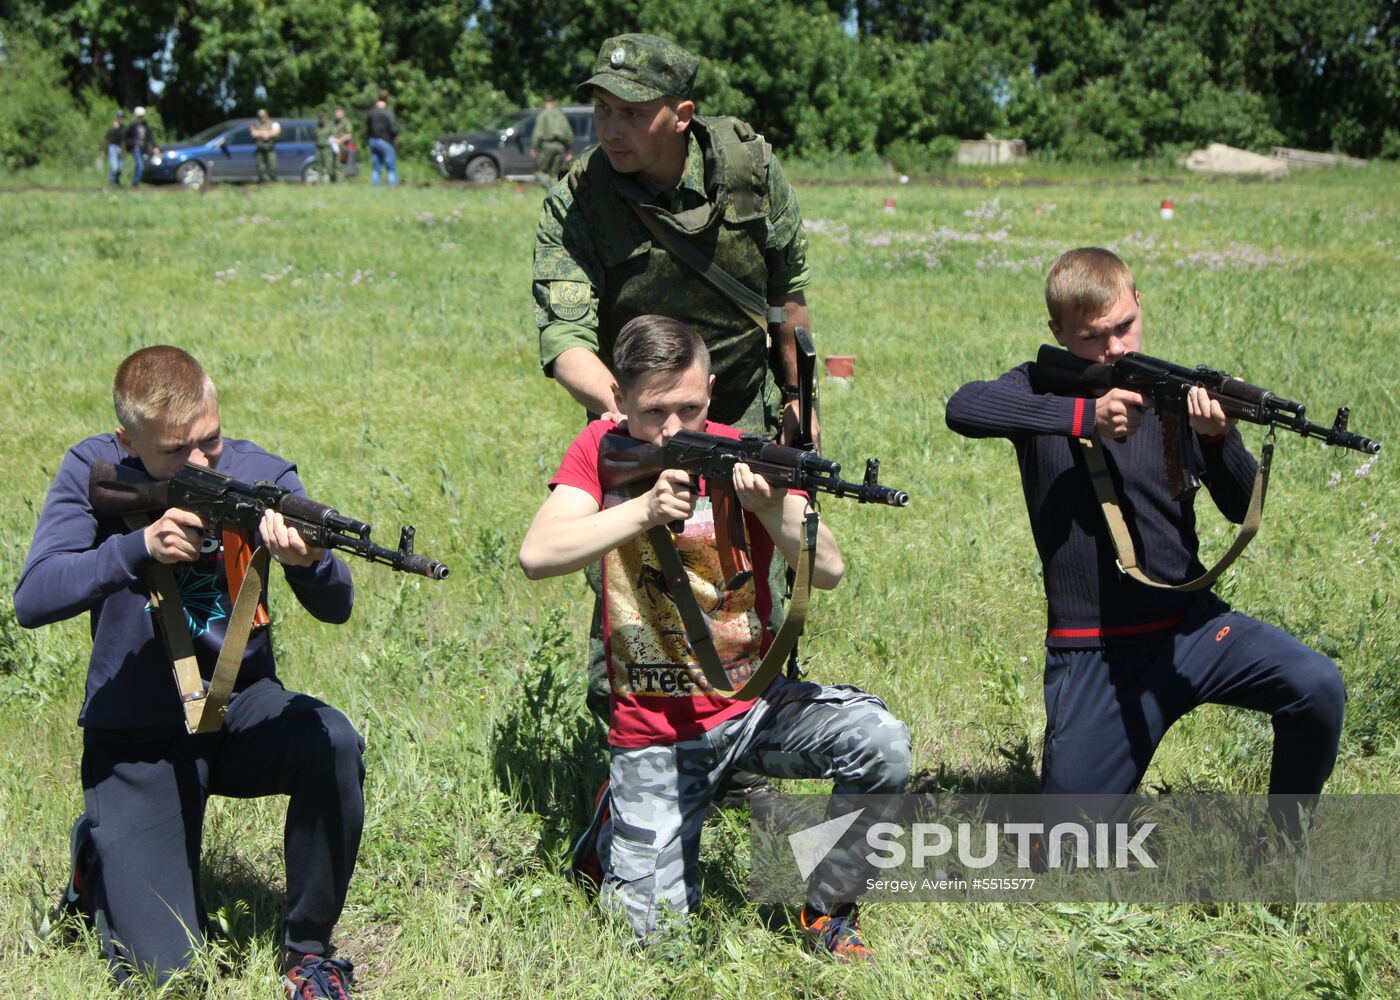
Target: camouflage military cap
642,68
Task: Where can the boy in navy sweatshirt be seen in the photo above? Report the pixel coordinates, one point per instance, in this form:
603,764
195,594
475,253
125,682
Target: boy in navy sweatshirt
1123,660
136,848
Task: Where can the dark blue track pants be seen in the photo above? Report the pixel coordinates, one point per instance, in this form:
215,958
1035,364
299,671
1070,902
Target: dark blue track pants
1108,708
146,802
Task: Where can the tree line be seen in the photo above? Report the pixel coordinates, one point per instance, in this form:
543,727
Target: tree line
1078,79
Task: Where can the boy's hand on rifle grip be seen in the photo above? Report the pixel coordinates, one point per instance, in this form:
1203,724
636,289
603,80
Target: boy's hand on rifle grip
1207,417
671,499
1117,414
178,536
755,493
285,543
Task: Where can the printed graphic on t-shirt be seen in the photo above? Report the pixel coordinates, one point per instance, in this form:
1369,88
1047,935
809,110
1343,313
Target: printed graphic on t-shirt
203,588
649,652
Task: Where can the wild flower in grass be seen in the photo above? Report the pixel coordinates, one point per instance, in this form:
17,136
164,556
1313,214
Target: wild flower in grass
880,240
988,211
447,246
1237,257
1375,538
1364,469
226,276
826,227
253,220
1336,478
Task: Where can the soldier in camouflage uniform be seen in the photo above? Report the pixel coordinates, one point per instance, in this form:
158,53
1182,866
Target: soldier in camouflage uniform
552,144
596,265
673,736
341,134
325,151
266,132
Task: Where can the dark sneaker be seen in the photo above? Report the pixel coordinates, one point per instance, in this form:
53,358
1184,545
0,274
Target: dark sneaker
837,934
76,900
315,977
740,789
586,868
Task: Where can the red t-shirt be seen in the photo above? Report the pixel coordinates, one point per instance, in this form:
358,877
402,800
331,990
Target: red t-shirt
657,684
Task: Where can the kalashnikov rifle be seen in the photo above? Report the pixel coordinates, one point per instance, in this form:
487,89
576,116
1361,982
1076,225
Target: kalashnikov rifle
117,491
120,491
1167,386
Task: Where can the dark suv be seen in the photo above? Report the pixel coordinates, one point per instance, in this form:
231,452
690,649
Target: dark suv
226,152
502,149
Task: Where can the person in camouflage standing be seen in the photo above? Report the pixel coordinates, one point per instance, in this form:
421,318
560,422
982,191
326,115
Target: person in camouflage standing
712,181
552,144
342,137
265,133
326,157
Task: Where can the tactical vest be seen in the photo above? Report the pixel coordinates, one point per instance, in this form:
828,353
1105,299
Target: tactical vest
641,278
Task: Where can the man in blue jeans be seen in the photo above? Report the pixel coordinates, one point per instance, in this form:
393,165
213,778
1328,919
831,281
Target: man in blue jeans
383,133
116,140
141,141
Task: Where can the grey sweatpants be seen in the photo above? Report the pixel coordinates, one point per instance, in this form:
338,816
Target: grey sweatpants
660,794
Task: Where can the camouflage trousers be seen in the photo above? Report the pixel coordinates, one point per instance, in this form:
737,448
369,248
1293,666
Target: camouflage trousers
650,847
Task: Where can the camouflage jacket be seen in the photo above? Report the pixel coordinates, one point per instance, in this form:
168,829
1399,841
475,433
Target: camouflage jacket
552,126
595,266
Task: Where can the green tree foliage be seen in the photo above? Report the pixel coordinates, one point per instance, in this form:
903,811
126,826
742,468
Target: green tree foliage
1075,78
40,121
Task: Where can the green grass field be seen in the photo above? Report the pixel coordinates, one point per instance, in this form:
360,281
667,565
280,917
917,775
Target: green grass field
384,340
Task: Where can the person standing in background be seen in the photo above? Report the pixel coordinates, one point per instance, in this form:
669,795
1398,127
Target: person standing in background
342,138
141,141
116,139
383,133
552,144
266,132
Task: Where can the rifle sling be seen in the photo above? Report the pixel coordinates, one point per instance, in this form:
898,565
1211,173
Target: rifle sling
698,629
204,708
753,305
1122,538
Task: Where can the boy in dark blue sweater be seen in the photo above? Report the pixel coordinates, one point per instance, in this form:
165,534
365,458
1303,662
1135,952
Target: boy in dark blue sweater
145,778
1124,661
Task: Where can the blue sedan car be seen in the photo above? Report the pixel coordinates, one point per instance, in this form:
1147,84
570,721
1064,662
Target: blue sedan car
225,154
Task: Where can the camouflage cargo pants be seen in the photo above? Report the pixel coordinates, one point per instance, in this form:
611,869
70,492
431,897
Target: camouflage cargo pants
650,846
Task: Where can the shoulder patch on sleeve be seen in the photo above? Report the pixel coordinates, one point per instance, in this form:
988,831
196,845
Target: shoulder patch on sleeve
569,300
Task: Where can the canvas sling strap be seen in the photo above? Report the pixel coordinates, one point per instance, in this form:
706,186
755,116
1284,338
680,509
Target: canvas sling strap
697,629
753,305
205,708
1123,540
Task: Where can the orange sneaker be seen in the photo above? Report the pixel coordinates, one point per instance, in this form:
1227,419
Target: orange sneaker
837,934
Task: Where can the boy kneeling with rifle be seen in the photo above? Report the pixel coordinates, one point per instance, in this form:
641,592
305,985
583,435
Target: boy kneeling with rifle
1135,641
153,752
674,669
